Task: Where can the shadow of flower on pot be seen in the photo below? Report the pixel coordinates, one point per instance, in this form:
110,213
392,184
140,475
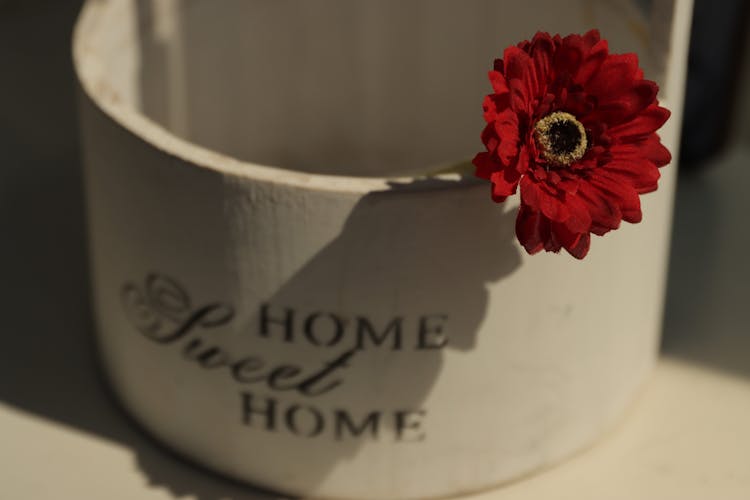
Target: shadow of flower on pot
400,289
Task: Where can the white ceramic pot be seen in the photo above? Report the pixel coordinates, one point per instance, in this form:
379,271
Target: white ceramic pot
341,327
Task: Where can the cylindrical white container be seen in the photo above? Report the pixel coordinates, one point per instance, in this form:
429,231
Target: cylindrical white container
340,324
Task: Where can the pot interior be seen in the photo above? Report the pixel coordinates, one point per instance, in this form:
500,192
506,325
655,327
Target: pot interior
346,87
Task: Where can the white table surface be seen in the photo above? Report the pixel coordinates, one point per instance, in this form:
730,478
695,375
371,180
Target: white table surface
688,437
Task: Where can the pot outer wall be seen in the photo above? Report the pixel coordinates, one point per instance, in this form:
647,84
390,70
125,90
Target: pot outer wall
392,341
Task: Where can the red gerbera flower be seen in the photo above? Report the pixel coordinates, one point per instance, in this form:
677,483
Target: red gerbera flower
575,126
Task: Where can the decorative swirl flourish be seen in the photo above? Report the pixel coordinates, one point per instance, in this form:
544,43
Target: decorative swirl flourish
161,309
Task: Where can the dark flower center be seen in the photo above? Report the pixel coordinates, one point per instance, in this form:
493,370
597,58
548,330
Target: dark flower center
562,138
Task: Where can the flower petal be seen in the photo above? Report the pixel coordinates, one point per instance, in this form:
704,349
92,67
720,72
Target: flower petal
553,207
641,174
489,138
506,128
626,196
517,63
485,165
576,244
592,62
579,220
569,56
499,85
522,80
580,249
532,229
623,106
615,75
591,38
645,123
649,148
541,51
530,193
504,183
605,212
654,150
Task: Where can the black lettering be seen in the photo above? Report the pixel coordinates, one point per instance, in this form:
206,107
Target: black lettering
292,420
344,423
267,411
281,373
244,370
210,357
307,386
407,424
364,327
336,332
431,335
287,322
201,317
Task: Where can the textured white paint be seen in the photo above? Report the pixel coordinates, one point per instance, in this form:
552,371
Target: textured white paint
545,352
